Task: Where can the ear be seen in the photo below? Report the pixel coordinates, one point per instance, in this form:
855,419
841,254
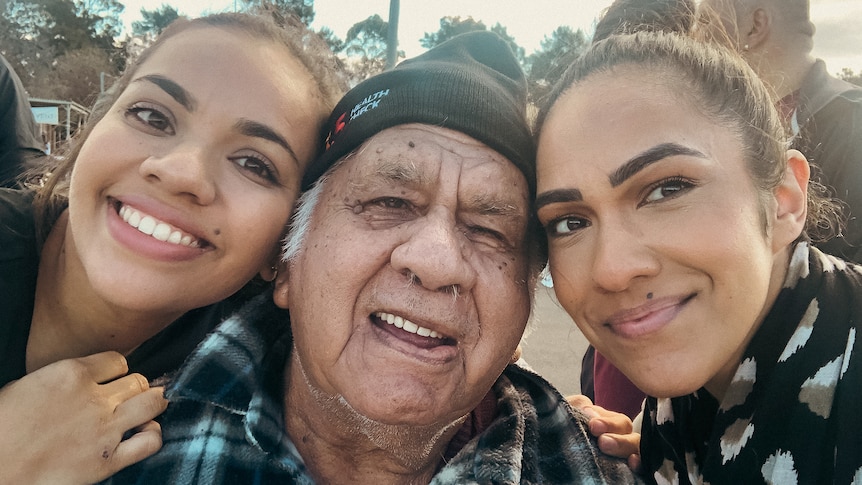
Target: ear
282,283
268,273
270,270
791,197
758,31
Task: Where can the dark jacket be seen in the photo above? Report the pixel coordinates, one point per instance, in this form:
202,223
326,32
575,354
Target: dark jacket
829,133
20,138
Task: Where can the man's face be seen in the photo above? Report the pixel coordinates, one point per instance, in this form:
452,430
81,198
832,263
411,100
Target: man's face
411,291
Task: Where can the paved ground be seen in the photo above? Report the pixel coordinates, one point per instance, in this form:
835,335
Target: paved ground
555,346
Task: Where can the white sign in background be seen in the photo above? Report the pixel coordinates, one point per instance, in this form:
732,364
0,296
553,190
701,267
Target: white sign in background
46,115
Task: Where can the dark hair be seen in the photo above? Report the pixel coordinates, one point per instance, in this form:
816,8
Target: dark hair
723,87
53,181
629,16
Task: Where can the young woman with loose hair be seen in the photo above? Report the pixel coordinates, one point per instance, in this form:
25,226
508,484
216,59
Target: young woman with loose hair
173,198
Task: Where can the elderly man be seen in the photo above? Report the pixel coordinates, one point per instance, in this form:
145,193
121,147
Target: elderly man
408,277
823,113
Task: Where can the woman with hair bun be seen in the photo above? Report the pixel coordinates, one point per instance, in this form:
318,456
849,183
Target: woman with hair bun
679,234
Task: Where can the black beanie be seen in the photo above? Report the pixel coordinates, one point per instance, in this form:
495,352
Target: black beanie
471,83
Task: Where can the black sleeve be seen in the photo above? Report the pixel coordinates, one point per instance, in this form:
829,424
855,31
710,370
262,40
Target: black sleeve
834,148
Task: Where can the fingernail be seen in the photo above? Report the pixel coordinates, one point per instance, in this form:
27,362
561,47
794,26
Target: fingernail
590,412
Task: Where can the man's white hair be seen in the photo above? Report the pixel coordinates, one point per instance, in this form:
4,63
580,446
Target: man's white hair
300,223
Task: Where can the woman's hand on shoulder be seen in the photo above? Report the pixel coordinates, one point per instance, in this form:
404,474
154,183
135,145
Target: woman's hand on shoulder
66,422
614,431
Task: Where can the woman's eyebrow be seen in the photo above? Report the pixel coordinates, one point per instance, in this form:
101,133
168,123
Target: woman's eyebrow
648,157
260,130
173,89
244,126
558,195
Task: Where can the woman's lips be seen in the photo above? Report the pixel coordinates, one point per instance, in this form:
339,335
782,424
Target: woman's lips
151,226
647,318
151,236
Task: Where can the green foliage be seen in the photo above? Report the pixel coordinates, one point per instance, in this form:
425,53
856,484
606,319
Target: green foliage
450,27
104,15
367,38
154,21
548,64
516,49
542,67
60,47
67,24
848,75
79,71
365,48
20,39
332,40
304,9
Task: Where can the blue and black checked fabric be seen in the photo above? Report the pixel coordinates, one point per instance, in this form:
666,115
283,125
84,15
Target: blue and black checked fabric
225,423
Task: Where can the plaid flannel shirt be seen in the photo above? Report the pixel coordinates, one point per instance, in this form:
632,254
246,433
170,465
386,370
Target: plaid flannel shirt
225,423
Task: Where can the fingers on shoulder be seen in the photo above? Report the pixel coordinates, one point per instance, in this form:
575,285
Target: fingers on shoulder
141,408
605,421
579,401
101,367
634,462
145,442
104,366
620,445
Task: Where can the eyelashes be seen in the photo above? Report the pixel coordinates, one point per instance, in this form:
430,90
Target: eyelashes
661,191
158,121
257,166
668,188
565,225
151,118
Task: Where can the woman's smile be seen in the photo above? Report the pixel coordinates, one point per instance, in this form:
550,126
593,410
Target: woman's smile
160,230
647,318
150,236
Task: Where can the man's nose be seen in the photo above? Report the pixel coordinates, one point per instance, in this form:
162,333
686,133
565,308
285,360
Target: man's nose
187,169
437,253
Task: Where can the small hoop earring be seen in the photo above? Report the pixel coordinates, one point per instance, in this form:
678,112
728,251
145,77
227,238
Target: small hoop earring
516,356
274,270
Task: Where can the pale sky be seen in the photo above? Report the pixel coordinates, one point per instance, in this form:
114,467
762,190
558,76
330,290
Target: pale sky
838,40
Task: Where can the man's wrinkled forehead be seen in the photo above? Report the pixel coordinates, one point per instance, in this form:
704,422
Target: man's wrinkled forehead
398,159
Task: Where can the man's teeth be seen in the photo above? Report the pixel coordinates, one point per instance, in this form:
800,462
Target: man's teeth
407,325
153,227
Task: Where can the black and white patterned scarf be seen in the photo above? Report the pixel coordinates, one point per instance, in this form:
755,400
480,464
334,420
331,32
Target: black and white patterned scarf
793,411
